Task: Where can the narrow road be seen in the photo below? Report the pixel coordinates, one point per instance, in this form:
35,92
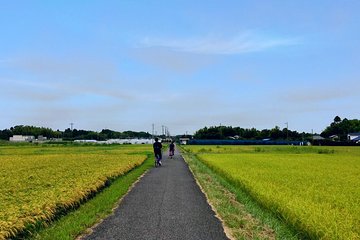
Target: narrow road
165,204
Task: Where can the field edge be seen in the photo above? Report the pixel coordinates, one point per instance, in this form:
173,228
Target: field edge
76,222
254,221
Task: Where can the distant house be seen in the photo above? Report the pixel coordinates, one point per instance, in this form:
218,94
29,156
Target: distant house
21,138
118,141
41,138
235,137
184,141
85,141
334,137
354,136
357,140
56,139
140,141
318,137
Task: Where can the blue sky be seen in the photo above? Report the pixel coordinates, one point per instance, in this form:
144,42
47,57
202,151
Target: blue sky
124,65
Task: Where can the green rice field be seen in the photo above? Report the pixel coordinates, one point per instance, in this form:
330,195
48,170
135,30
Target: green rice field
40,182
315,190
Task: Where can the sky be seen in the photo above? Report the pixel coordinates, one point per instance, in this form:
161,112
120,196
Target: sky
125,65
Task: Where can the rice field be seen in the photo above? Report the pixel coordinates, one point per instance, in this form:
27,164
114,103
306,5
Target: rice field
313,189
39,182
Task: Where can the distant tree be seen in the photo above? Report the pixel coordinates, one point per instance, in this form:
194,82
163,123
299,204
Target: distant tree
224,132
342,128
209,133
109,134
250,133
276,133
32,130
144,135
265,133
5,134
69,134
337,119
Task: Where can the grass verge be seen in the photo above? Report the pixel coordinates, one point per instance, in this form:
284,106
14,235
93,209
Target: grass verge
243,217
77,222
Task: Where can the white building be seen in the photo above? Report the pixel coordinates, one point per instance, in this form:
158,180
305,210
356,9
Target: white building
184,141
318,137
118,141
85,141
21,138
353,136
41,138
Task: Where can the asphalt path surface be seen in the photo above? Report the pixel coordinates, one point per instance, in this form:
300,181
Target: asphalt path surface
165,204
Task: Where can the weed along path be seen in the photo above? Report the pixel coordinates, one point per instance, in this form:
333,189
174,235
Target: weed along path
165,204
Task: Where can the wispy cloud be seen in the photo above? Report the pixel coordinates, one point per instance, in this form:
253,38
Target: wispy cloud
249,41
180,62
52,79
334,92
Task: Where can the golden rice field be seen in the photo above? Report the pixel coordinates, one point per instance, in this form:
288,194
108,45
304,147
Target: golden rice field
314,189
39,181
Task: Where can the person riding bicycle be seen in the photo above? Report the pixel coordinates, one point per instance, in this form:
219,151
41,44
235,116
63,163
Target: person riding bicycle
171,149
157,151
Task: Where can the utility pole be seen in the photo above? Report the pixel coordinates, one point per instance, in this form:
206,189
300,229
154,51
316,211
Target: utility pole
312,136
152,133
287,131
71,126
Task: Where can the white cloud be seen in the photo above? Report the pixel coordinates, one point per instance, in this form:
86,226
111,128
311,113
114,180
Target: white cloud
52,78
319,94
242,43
165,58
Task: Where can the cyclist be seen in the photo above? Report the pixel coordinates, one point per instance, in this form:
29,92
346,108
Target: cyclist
157,151
171,149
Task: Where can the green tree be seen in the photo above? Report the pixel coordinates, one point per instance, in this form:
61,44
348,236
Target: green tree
341,128
337,119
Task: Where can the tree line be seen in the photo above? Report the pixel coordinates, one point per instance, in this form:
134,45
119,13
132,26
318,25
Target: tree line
70,134
229,132
338,127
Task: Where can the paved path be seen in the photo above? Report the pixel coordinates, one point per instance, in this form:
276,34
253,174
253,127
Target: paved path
165,204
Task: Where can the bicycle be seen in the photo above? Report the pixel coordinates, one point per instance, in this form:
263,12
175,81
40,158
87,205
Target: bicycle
171,153
157,160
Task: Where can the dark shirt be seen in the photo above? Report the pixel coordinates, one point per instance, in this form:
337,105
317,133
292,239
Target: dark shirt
157,147
172,146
